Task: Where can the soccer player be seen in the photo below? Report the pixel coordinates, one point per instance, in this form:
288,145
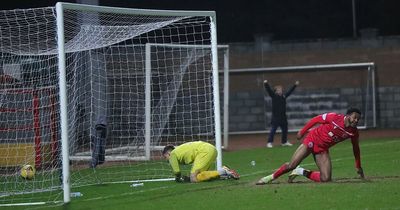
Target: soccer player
279,118
333,128
202,155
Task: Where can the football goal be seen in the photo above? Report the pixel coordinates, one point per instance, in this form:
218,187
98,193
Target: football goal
91,94
322,89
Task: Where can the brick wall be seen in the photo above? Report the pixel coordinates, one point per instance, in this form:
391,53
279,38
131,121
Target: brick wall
247,104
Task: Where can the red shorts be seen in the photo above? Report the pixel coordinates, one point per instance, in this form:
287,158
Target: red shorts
310,143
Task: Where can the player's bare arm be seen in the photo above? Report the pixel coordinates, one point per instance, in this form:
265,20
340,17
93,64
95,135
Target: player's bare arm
309,125
299,135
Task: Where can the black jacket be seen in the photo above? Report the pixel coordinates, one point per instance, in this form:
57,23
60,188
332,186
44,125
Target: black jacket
278,104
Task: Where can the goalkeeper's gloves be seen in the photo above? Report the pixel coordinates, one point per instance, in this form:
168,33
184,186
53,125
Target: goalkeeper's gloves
360,173
181,179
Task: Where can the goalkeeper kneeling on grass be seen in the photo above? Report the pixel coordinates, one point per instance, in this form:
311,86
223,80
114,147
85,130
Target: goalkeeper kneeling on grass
202,155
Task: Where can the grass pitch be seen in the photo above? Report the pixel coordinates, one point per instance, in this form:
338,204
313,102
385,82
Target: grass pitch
380,190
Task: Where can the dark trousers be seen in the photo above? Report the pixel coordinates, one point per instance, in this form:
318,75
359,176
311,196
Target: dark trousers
98,146
274,127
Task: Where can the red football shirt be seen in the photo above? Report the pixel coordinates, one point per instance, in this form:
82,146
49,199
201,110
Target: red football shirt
331,131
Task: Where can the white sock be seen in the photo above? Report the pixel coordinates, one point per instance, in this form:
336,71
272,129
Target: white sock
222,172
300,170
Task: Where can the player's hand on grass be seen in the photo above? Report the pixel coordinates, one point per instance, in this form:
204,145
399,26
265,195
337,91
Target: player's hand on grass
178,179
360,173
185,178
181,179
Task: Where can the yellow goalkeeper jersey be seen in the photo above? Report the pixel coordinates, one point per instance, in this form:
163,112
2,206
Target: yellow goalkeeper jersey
202,154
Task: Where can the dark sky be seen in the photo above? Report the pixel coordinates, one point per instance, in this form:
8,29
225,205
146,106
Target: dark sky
238,21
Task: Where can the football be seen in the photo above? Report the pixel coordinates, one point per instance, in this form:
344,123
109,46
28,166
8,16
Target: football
27,172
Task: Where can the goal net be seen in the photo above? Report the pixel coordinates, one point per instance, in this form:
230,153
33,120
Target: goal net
322,89
120,84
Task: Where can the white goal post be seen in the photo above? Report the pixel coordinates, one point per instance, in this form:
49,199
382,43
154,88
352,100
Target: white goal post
323,88
92,94
148,147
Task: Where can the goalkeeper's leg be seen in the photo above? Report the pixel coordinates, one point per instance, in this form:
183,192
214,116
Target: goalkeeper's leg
224,173
202,164
207,175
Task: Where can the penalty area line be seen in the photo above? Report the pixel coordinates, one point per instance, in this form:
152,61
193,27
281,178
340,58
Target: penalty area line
128,193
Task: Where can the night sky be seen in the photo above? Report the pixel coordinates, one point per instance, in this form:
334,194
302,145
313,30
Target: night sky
238,21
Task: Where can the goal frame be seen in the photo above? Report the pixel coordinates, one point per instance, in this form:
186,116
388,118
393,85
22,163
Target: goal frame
368,66
60,7
148,148
225,49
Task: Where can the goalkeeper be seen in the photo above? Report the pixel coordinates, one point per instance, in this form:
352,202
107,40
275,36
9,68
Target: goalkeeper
202,155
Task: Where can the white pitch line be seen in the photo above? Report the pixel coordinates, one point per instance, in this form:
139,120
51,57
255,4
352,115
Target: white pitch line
129,193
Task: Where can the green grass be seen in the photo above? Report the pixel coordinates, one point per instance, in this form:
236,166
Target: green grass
381,190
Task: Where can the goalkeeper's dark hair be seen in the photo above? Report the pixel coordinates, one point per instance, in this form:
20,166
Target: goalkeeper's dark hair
168,148
352,109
